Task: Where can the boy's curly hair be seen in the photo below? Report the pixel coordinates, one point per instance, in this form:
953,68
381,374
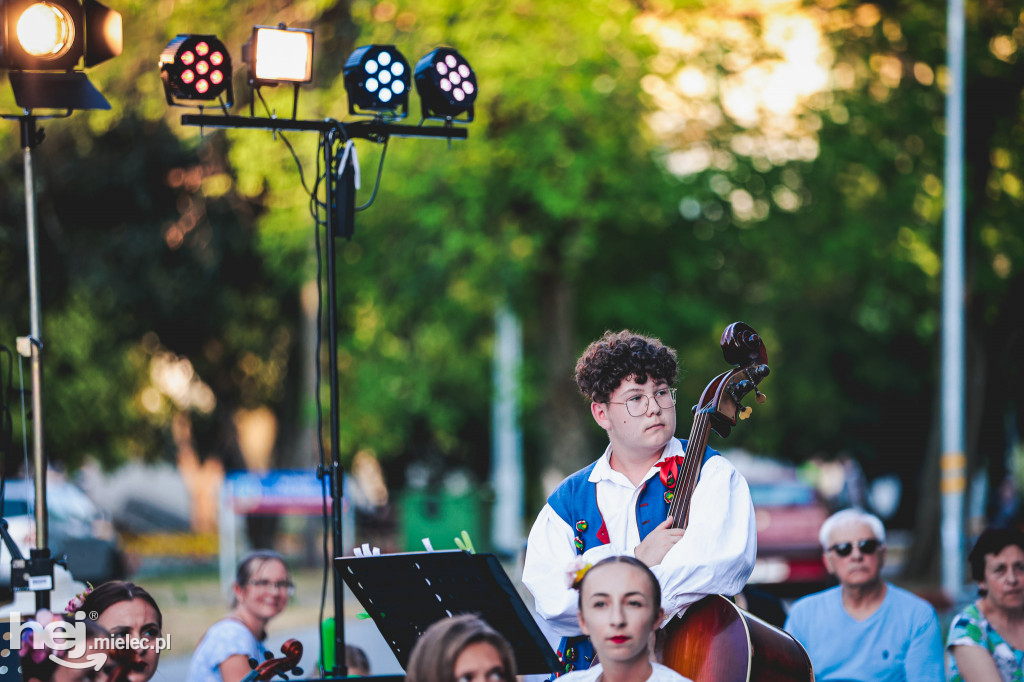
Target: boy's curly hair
623,355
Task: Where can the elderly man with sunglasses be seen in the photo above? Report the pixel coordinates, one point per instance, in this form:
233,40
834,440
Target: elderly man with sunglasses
865,628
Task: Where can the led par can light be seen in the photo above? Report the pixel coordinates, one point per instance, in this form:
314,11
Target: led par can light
377,79
446,84
196,68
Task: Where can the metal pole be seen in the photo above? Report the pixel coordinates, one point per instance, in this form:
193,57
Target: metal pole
337,474
507,442
953,462
29,139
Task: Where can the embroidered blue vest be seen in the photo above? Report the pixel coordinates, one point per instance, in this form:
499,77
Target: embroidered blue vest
575,502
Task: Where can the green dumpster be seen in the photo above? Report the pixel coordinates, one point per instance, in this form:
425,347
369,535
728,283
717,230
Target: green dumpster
441,516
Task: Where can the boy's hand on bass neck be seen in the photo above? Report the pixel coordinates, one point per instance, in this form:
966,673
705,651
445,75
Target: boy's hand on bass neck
658,542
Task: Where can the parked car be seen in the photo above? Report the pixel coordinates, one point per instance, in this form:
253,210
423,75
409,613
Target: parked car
77,529
789,514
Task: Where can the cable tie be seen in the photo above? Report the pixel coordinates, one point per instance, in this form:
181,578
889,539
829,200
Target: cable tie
350,147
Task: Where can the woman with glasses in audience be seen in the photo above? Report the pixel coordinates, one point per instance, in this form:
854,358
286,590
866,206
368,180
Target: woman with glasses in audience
865,628
986,639
261,591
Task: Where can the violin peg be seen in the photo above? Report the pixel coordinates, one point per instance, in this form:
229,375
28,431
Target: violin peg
760,397
745,412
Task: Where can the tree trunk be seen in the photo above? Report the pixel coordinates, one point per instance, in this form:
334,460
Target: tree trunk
565,417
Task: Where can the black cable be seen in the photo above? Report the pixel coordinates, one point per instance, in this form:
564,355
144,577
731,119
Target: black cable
287,143
6,421
376,184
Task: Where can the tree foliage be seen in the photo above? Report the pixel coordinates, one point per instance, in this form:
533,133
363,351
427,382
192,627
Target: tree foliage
665,166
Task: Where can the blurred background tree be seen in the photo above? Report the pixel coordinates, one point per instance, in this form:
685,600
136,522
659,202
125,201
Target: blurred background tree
665,166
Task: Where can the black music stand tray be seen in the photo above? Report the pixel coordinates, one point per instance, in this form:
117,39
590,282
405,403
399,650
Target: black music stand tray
406,593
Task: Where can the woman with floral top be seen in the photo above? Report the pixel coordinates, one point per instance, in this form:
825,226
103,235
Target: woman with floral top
986,639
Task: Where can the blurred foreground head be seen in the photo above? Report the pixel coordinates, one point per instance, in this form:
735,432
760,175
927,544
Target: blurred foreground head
462,648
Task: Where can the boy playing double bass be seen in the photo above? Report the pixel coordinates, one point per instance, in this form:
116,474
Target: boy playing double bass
619,503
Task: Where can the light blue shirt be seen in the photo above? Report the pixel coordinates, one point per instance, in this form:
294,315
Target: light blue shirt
900,641
224,639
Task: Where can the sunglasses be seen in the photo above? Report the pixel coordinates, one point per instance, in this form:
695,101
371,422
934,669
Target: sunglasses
865,546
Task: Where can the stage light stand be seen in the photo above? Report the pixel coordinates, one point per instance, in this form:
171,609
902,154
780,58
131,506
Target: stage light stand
46,75
40,566
335,133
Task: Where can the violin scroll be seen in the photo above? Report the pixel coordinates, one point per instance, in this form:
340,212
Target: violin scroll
277,667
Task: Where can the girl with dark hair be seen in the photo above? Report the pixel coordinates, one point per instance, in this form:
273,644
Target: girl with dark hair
461,649
620,609
986,639
130,614
261,591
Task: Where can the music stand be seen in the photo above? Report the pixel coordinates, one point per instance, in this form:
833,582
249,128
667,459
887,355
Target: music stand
406,593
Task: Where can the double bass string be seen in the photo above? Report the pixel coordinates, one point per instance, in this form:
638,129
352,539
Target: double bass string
679,508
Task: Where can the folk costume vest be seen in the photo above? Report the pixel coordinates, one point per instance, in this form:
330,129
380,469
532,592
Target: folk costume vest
575,502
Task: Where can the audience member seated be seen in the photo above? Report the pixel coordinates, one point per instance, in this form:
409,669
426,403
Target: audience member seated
986,639
356,661
262,588
865,628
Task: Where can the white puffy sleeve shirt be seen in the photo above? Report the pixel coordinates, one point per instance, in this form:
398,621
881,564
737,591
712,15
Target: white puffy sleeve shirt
715,556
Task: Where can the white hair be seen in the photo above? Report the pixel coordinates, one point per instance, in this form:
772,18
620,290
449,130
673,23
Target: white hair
847,517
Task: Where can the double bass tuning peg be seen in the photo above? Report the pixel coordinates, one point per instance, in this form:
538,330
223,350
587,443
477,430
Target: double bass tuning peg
759,397
745,412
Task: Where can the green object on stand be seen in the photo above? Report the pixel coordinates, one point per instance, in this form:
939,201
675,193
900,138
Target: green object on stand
327,658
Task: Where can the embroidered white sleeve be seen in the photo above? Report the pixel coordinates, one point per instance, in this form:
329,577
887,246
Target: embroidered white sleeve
716,556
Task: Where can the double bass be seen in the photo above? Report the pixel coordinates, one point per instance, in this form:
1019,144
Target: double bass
715,640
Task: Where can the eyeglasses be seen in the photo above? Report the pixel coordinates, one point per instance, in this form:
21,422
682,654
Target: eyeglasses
869,546
286,585
638,404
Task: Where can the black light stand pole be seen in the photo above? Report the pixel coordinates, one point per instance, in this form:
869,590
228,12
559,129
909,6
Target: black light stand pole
29,139
336,473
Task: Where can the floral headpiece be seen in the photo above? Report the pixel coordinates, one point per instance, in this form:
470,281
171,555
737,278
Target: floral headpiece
76,602
574,575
